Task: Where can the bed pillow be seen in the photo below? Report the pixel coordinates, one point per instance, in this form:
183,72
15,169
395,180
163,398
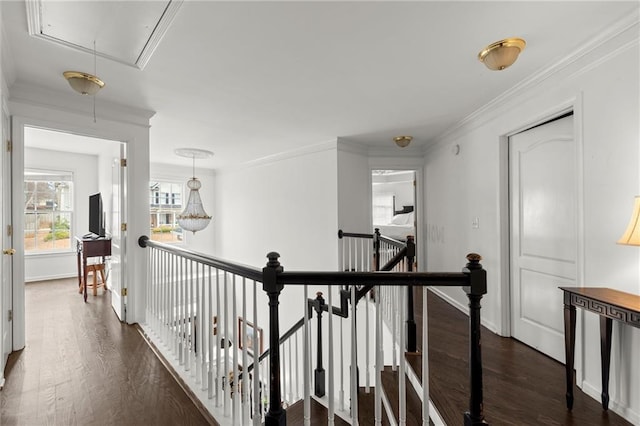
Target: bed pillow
400,219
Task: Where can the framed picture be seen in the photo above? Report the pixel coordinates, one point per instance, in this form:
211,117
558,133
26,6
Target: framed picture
249,339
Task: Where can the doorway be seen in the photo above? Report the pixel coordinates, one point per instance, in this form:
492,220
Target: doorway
543,232
394,207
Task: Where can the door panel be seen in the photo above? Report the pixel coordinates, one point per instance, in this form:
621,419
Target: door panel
118,179
6,273
543,232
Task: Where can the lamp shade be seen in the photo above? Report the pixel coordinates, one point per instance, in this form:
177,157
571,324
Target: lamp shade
501,54
83,83
632,235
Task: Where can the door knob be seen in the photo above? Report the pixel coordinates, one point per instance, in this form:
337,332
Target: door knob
10,251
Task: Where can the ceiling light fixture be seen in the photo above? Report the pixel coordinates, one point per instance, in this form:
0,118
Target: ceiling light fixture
193,218
403,141
501,54
83,83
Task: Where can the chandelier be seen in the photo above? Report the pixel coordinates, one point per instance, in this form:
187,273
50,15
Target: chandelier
193,218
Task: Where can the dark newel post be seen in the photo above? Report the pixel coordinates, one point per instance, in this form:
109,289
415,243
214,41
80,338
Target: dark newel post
376,249
276,416
477,287
319,372
411,322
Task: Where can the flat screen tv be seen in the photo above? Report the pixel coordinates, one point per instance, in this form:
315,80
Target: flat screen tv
96,215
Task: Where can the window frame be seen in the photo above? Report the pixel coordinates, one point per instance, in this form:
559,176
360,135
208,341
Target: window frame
158,207
45,176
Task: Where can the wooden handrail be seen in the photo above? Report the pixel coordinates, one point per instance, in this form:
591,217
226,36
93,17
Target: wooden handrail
226,265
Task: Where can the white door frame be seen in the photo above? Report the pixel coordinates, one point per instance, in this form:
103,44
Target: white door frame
104,130
573,104
416,165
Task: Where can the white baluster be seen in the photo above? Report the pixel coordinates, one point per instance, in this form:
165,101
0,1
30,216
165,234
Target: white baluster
306,360
354,360
236,340
257,411
330,384
425,359
245,359
379,361
402,390
227,385
211,337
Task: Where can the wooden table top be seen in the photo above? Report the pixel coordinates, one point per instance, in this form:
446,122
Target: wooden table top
628,301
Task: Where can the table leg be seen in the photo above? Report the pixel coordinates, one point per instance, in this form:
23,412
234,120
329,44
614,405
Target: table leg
569,348
605,356
78,261
84,275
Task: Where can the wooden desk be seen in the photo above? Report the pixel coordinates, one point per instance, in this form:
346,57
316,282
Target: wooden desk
88,247
610,305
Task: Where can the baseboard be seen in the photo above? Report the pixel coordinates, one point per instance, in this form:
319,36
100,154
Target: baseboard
50,277
181,382
622,410
463,308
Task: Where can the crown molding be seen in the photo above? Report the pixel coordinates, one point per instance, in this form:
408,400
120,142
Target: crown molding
37,96
285,155
502,101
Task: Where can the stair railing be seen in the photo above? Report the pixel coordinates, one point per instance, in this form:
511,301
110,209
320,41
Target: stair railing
193,301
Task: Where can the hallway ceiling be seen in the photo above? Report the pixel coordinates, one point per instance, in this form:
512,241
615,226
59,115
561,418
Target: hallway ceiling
250,79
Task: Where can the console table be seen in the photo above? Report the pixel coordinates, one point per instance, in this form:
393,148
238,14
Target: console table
89,247
611,305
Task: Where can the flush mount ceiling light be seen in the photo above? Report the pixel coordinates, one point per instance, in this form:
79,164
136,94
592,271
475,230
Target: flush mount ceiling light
193,218
403,141
501,54
83,83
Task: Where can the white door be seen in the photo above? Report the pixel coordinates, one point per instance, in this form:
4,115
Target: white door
542,187
118,236
6,281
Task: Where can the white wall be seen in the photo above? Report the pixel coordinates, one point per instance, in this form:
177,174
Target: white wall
42,266
288,204
602,87
202,241
354,190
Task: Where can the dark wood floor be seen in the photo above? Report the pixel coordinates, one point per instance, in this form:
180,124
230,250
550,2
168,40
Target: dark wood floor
521,385
81,366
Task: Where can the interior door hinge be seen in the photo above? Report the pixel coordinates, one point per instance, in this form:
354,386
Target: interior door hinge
10,315
123,292
9,145
9,230
123,226
123,162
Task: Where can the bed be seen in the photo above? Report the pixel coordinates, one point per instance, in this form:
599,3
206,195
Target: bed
401,225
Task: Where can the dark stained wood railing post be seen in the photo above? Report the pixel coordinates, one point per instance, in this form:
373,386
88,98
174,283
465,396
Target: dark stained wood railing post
376,250
477,287
319,371
411,322
276,416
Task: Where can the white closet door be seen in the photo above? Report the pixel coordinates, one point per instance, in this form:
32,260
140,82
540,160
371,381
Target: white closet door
542,186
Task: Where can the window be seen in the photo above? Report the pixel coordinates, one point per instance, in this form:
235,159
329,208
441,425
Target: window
48,210
165,203
382,208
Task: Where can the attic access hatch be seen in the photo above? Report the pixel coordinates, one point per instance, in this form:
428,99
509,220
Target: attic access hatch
127,32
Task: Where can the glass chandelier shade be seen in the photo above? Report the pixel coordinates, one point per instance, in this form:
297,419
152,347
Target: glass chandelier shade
193,218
